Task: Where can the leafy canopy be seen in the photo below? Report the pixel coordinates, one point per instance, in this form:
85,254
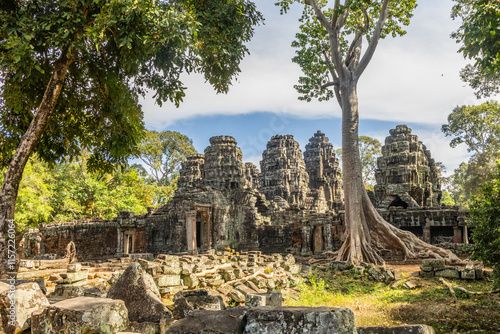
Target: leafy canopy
479,36
120,49
357,20
478,127
485,225
162,153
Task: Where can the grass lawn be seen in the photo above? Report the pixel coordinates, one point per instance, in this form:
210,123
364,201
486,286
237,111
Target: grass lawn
378,304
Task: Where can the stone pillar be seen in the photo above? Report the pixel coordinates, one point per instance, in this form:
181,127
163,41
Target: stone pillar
426,234
457,231
306,236
191,231
328,237
466,235
119,244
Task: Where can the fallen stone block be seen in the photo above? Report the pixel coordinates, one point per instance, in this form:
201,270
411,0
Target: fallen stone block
271,298
447,273
189,300
81,315
237,296
73,267
73,277
27,298
210,322
297,320
168,280
140,295
407,329
190,280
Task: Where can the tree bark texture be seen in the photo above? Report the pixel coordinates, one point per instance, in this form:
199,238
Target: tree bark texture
14,173
367,234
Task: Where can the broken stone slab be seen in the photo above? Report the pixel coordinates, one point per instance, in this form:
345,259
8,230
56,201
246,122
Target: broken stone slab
432,264
189,300
149,327
448,273
230,321
140,294
190,280
27,297
407,329
271,298
81,315
168,280
69,278
297,320
73,267
237,296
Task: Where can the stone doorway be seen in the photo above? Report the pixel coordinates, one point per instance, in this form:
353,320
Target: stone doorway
129,241
317,242
198,229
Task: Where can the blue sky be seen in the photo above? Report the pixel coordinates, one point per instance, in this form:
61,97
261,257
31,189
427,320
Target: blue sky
411,80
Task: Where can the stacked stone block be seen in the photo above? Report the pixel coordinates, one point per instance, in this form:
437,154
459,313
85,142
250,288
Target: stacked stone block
252,175
224,168
192,171
407,175
283,171
323,169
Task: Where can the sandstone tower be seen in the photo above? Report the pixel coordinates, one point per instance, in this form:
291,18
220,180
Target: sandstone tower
224,168
283,171
406,176
192,171
323,169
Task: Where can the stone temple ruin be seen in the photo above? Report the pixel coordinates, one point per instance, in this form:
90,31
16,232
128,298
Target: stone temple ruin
294,204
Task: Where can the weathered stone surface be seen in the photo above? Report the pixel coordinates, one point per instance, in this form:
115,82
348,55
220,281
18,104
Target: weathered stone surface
81,315
236,296
252,175
283,171
433,264
447,273
168,280
140,294
73,277
323,169
406,175
271,298
211,322
190,280
192,171
298,320
407,329
74,267
224,168
189,300
28,297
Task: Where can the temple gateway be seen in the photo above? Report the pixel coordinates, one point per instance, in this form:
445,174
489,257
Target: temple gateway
294,204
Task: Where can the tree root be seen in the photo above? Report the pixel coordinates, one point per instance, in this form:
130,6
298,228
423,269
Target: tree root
452,289
375,235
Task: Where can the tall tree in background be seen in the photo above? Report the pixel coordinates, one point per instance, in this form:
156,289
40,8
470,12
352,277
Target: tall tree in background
330,55
73,71
478,127
479,37
162,153
369,150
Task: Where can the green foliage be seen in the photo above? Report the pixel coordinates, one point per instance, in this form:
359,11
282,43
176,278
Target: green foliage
369,150
33,205
478,127
485,225
446,198
120,50
314,54
163,152
479,36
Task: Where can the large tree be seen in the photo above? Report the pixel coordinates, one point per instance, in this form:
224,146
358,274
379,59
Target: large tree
72,72
330,55
478,127
479,38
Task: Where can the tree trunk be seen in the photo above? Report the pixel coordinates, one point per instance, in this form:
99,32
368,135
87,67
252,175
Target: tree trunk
14,174
366,232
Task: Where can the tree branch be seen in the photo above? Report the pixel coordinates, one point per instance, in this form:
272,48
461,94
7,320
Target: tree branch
329,84
374,41
335,13
319,14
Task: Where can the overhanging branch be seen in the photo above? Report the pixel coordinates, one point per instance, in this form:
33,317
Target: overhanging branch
363,63
329,84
